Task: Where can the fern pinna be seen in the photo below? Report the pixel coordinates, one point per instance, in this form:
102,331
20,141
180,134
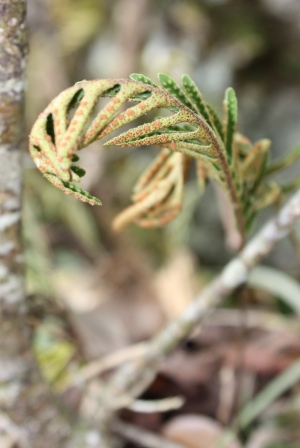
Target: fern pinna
192,131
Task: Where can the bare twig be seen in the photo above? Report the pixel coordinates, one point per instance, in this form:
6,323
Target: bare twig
232,235
163,405
111,361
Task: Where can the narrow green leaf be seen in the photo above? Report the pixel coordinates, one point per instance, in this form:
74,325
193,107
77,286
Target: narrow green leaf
145,80
142,78
231,111
194,94
171,86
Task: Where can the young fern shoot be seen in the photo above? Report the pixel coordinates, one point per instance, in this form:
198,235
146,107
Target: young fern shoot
192,131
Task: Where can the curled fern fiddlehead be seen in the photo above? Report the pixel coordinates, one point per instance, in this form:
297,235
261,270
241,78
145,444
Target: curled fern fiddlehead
193,130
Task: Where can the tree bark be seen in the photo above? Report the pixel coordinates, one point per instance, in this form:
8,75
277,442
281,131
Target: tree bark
13,340
13,51
27,416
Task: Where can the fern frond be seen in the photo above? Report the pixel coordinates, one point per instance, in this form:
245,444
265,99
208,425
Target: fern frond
158,194
230,106
193,130
54,140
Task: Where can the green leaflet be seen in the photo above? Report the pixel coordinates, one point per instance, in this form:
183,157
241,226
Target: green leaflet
142,78
231,112
195,95
172,87
80,192
145,80
77,170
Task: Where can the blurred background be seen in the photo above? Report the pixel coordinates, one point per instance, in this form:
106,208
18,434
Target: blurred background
93,291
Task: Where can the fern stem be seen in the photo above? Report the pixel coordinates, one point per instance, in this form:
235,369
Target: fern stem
229,181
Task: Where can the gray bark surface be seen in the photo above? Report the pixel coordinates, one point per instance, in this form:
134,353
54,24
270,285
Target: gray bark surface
28,418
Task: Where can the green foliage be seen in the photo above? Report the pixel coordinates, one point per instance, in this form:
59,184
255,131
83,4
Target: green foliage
142,78
173,88
193,93
231,115
194,130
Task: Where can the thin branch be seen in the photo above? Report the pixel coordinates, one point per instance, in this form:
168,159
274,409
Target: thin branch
110,361
233,237
162,405
133,378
